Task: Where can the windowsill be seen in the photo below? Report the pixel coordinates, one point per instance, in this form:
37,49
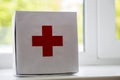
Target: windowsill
85,73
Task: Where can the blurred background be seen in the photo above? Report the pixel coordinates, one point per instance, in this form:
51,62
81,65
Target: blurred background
8,8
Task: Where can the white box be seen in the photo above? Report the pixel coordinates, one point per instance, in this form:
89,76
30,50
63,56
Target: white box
45,42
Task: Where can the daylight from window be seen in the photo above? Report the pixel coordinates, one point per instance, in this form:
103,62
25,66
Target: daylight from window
8,8
117,6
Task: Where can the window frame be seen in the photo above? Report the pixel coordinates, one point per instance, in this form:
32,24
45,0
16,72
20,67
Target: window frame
91,56
108,43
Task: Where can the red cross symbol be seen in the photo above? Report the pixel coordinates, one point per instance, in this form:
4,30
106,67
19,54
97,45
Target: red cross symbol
47,41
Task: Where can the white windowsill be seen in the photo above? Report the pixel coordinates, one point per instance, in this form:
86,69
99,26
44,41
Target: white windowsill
85,73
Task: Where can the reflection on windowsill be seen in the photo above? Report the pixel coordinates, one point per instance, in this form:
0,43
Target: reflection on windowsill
6,49
80,48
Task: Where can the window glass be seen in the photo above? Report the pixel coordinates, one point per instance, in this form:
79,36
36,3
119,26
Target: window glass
8,7
117,7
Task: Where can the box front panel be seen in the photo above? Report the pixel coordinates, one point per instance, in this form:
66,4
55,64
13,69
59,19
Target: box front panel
30,59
